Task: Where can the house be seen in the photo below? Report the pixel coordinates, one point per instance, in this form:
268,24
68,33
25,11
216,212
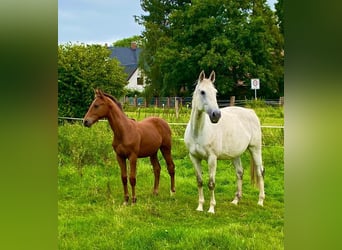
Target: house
129,57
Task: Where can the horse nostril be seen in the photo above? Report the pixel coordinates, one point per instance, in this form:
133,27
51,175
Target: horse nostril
215,116
217,113
86,123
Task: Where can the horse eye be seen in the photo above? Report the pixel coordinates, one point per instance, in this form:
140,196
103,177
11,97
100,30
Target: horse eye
96,106
202,92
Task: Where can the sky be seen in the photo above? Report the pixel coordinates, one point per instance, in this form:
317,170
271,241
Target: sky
100,21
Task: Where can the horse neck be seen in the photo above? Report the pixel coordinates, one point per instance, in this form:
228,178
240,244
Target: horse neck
197,119
118,120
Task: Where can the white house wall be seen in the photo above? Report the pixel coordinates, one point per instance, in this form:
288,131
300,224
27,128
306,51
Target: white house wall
133,82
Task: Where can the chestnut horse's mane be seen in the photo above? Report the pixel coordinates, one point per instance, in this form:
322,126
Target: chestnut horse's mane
114,100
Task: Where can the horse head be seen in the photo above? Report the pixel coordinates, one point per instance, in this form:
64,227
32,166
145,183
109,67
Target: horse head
205,97
97,110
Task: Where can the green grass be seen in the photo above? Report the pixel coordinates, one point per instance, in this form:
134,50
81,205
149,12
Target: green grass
91,214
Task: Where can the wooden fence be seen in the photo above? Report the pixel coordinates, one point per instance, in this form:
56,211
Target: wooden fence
174,102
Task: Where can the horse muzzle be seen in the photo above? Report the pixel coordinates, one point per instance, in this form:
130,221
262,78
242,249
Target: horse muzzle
214,115
87,123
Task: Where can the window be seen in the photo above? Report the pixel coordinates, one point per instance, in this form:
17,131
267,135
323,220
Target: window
140,81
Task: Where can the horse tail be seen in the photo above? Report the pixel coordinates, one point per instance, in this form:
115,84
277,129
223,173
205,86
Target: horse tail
254,176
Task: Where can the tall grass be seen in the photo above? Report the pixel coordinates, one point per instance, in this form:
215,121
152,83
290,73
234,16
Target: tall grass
91,214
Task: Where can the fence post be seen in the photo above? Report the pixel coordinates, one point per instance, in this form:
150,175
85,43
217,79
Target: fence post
156,102
281,101
232,100
168,102
176,107
135,103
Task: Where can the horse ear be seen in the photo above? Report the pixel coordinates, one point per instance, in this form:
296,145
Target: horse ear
201,76
98,92
212,76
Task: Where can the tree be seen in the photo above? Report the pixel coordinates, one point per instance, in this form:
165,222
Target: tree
279,6
156,35
240,40
126,42
81,69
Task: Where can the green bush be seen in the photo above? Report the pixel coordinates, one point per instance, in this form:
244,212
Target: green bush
259,103
80,146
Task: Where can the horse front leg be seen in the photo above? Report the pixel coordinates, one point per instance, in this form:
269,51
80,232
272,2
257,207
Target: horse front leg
132,175
123,168
198,171
239,175
212,163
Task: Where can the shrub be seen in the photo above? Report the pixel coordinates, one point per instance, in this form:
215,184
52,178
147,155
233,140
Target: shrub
80,146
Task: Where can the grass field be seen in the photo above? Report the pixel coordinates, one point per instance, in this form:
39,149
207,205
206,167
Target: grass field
90,196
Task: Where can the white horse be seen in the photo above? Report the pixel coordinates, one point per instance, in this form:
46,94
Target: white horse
215,134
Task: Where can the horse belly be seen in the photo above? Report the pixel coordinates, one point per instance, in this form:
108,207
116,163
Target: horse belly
230,146
149,146
230,154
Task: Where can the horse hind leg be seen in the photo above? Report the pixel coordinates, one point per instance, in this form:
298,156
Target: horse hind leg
257,173
166,152
156,171
239,176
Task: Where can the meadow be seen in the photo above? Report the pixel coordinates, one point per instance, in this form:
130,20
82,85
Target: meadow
90,194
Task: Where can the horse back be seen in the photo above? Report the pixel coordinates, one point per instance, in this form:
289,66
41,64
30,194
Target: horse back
155,130
243,121
157,123
248,116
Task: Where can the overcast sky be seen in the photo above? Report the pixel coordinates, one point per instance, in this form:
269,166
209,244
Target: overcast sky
100,21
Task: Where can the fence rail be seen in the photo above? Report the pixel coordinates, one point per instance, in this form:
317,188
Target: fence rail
170,123
172,102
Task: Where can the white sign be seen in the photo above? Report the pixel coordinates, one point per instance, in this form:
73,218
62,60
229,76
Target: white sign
255,83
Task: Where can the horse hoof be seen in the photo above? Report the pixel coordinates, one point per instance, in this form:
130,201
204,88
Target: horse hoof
211,211
261,203
199,208
235,201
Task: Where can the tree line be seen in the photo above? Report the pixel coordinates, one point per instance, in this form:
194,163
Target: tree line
240,40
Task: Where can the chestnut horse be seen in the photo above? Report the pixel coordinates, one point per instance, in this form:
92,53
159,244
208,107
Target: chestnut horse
133,140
